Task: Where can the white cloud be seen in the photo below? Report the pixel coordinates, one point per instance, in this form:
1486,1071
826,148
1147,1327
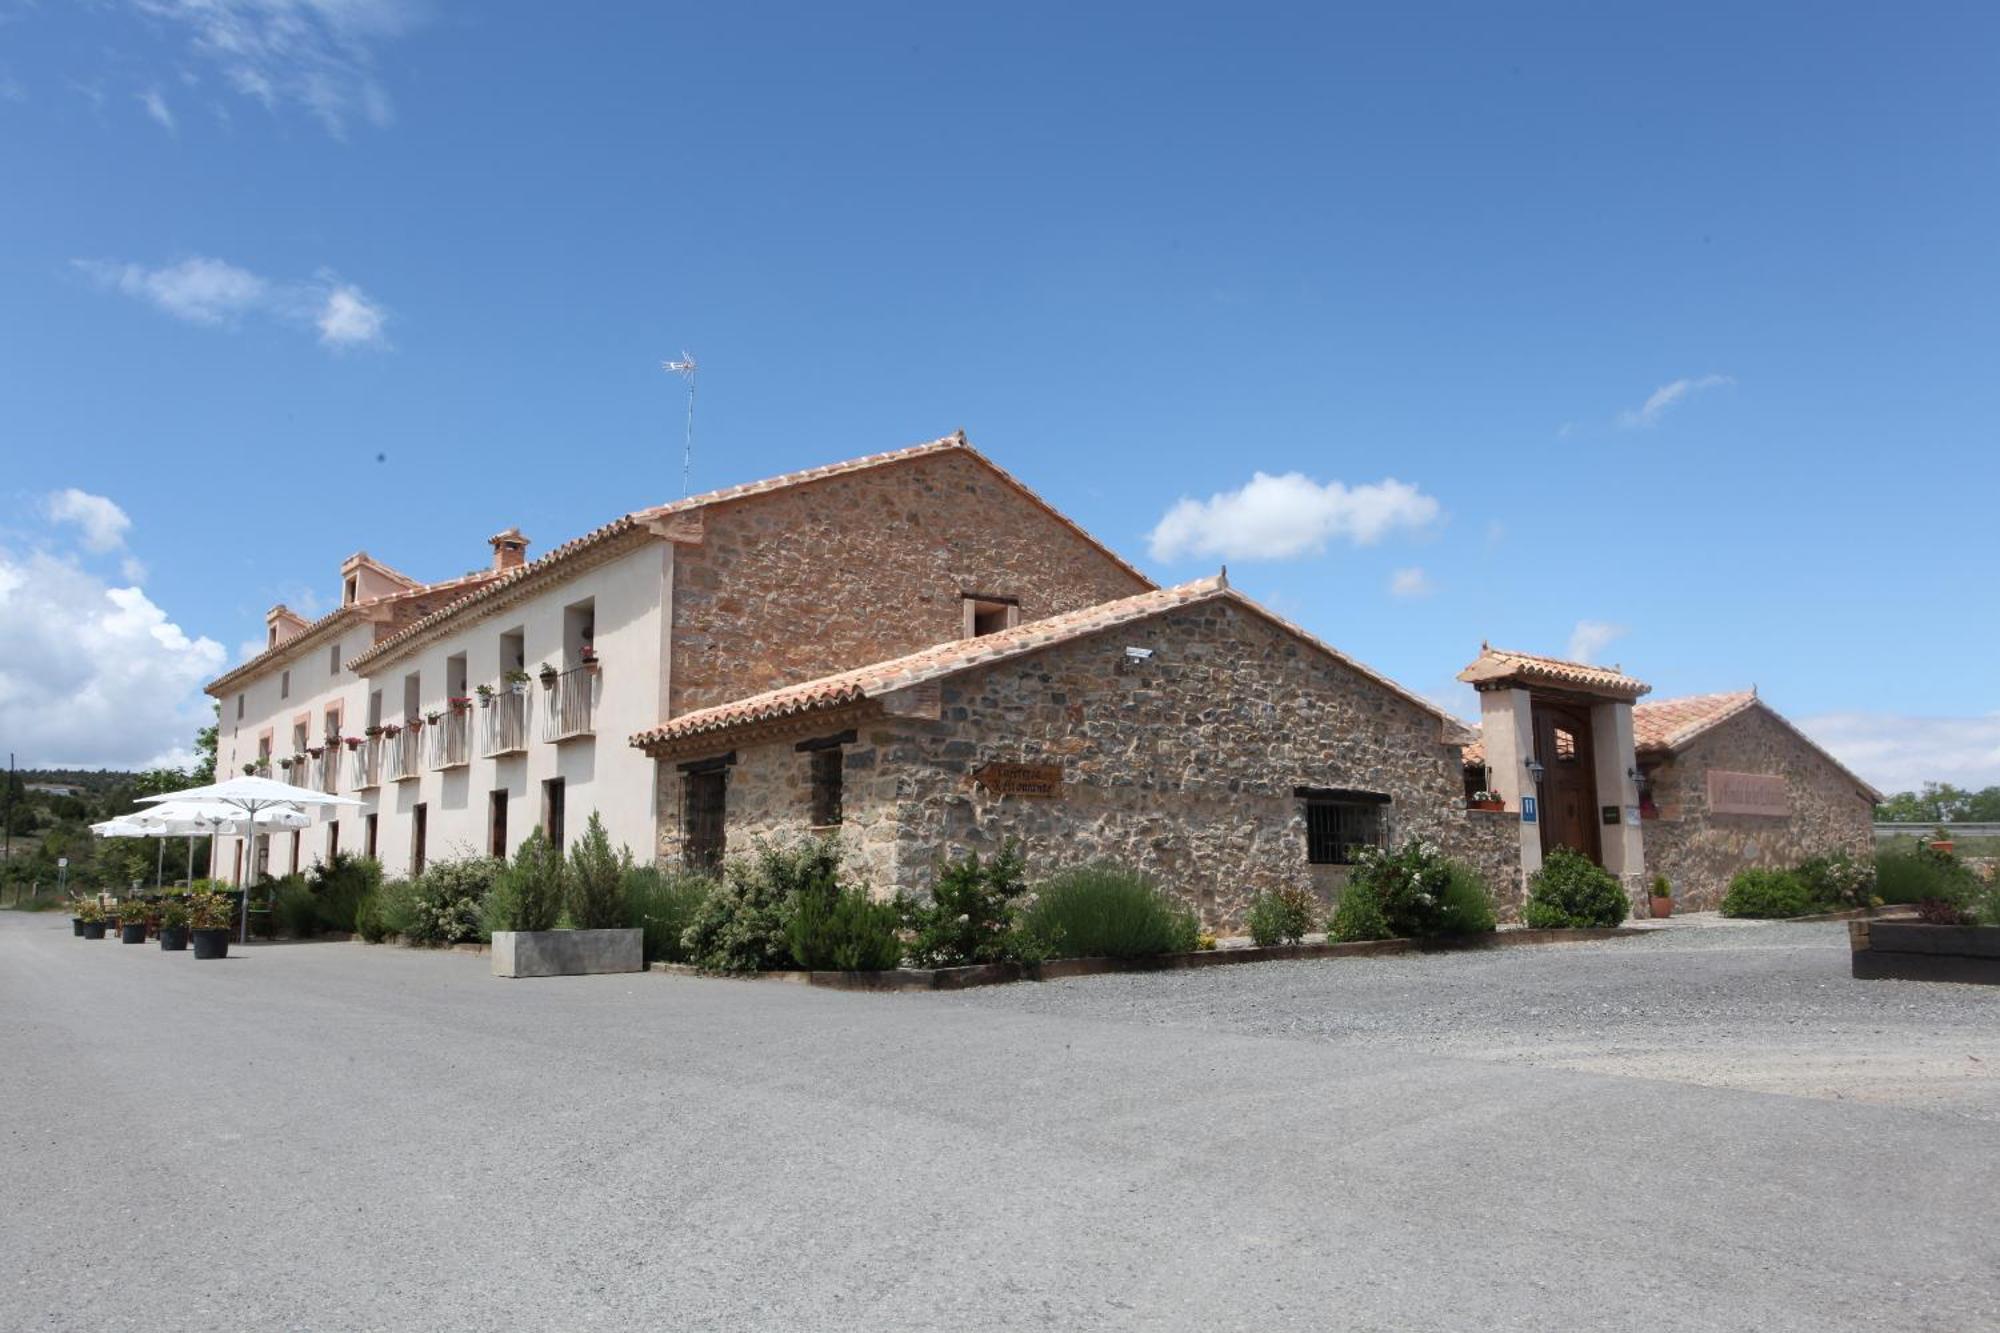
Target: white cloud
200,291
102,522
216,293
316,54
156,107
133,569
93,675
1664,397
1898,753
1411,582
1278,518
1591,637
349,319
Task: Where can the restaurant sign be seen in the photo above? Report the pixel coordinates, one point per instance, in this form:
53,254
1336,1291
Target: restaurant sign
1038,780
1747,794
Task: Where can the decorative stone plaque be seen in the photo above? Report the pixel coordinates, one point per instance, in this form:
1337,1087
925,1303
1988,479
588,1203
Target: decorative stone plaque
1748,794
1038,780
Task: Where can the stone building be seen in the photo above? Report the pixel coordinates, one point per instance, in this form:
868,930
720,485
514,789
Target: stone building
1185,731
1728,783
1707,785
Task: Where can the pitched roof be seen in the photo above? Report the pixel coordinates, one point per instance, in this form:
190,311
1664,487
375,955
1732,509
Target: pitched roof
1500,664
640,522
1668,725
947,659
316,632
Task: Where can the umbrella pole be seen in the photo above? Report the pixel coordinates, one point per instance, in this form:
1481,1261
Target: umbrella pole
160,864
190,876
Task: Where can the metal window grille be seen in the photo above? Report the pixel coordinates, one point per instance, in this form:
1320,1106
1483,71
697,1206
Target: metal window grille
826,780
705,807
1336,830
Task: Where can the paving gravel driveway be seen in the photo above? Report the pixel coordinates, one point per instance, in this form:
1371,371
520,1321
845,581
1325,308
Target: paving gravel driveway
329,1136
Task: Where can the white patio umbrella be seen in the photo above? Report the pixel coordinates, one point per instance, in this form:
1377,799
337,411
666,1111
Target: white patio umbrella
192,819
127,826
251,796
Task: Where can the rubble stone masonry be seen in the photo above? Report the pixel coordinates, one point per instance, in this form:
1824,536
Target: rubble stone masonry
1700,850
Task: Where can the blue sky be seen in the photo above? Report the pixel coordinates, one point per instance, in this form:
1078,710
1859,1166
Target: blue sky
1677,332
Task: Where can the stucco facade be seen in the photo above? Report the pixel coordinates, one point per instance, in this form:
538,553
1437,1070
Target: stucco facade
1825,808
1189,743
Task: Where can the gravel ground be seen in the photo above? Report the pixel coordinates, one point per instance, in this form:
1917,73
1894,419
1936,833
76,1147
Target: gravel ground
328,1136
1765,1007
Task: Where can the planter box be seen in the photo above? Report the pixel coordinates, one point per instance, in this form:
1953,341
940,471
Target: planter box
1911,951
567,953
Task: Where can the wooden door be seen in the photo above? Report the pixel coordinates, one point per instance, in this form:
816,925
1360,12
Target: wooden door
1569,779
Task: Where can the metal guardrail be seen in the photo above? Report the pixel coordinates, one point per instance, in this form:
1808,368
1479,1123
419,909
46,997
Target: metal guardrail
572,705
1927,830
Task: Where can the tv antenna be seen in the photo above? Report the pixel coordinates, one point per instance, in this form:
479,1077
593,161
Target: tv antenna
685,368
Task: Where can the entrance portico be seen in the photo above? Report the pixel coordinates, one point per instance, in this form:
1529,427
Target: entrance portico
1559,751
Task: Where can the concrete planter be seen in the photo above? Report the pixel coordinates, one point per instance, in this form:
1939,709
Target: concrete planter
567,953
1912,951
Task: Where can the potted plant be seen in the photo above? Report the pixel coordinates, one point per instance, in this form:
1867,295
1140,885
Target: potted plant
434,717
174,923
485,693
250,770
460,703
132,917
1488,800
589,655
549,676
315,750
208,925
372,732
351,742
1941,842
515,680
391,730
1663,897
413,723
90,913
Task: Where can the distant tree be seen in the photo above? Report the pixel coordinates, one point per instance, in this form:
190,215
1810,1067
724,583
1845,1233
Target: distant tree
204,750
1940,802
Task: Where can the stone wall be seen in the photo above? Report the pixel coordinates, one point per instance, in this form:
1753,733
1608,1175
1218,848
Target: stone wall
804,582
1700,851
1183,766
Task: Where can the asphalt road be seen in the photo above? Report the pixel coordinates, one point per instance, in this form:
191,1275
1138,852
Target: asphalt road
334,1136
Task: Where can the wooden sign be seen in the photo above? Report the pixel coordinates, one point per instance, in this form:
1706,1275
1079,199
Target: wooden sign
1038,780
1748,794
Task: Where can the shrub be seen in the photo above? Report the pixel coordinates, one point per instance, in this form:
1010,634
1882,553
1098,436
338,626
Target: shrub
296,909
527,894
1573,891
447,901
1418,892
368,922
174,913
1281,916
848,932
1106,911
1467,904
1986,903
970,915
741,926
1761,892
1837,882
396,907
596,889
1358,915
339,884
1913,876
663,903
211,911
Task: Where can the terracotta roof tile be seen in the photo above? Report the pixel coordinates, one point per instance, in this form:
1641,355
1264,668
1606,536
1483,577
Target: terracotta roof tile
639,520
1498,664
1668,724
948,659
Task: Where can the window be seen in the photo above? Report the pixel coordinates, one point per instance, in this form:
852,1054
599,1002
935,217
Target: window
349,589
263,861
552,811
239,707
419,826
825,769
987,614
368,836
413,695
496,823
332,841
1339,823
1565,746
706,837
333,660
285,684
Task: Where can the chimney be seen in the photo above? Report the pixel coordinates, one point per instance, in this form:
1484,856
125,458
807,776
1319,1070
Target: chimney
510,549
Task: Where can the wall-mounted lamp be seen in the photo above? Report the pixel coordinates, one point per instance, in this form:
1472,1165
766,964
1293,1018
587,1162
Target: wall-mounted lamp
1535,770
1138,654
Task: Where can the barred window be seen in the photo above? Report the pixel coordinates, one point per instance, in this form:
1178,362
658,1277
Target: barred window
826,779
1339,823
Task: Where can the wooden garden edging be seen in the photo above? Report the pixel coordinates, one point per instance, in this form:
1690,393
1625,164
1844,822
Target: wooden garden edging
1058,969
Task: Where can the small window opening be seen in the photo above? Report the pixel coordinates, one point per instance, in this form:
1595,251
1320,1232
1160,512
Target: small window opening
988,615
496,823
1337,830
285,685
827,767
704,795
419,826
350,590
333,660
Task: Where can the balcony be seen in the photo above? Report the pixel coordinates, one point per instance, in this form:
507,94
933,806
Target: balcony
406,754
323,773
506,723
571,704
451,739
366,764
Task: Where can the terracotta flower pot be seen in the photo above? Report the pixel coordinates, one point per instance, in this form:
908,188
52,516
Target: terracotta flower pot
1663,908
1489,805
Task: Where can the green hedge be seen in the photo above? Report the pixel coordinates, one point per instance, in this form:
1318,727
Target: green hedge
1571,891
1106,911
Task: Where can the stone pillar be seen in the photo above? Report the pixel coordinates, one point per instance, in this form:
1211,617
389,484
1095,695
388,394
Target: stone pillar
1507,724
1616,761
